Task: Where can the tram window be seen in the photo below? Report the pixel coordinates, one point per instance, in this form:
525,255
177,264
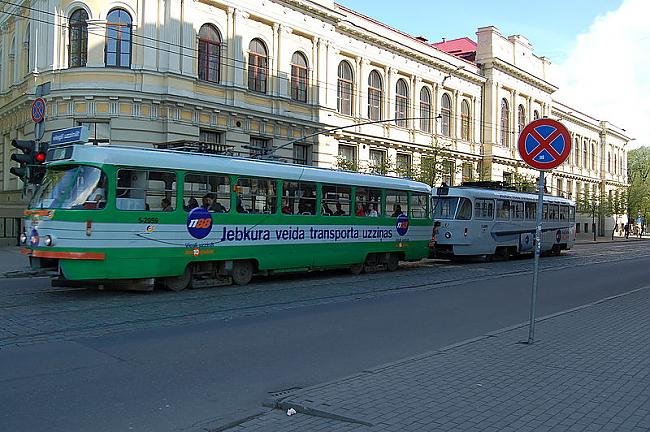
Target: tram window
484,209
418,206
554,212
336,200
503,209
396,203
255,195
531,211
145,190
464,209
368,202
299,198
572,214
517,210
564,213
212,192
545,212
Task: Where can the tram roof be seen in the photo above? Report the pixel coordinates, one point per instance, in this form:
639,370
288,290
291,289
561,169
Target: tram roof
178,160
504,194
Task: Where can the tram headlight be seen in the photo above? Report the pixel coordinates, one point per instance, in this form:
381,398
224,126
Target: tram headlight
23,238
48,240
447,235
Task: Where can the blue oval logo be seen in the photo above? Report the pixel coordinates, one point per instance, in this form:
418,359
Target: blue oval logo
199,223
402,224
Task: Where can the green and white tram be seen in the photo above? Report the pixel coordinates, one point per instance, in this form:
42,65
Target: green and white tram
131,215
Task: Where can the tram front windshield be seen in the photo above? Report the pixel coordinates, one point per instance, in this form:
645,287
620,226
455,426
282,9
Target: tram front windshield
444,208
73,187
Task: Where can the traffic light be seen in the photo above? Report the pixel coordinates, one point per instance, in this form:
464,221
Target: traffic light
37,172
28,149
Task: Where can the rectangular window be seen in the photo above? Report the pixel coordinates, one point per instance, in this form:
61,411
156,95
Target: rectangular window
484,209
586,228
403,165
507,178
468,172
448,168
572,214
301,154
531,211
444,208
212,192
98,132
336,200
378,162
210,137
517,210
559,187
545,212
255,195
419,205
146,190
259,146
464,209
503,209
396,203
348,153
564,213
368,202
299,198
577,228
554,212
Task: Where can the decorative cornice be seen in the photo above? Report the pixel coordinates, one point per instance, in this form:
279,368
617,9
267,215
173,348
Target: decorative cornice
529,78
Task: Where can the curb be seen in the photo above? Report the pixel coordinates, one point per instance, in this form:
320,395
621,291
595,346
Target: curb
635,239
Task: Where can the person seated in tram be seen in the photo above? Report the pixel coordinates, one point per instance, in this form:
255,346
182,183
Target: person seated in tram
96,202
359,210
372,210
327,211
339,210
166,205
240,205
286,209
397,211
192,203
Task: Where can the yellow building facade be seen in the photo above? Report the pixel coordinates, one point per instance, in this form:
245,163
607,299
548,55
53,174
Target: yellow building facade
248,76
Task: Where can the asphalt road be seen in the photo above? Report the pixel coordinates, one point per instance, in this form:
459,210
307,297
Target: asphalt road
107,361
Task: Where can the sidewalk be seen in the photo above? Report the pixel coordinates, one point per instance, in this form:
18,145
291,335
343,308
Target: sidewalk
11,260
588,370
589,239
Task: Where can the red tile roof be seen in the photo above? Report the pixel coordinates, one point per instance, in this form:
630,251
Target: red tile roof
462,47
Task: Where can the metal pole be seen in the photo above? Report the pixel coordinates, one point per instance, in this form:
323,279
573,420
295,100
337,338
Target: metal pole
538,251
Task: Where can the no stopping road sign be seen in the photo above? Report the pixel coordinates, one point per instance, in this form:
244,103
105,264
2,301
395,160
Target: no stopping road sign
544,144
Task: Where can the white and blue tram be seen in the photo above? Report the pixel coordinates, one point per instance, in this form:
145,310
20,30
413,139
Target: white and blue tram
471,221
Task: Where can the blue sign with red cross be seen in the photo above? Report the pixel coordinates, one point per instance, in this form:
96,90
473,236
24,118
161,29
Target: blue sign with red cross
544,144
38,110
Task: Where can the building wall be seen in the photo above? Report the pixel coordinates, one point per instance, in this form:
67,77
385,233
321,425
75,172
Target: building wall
160,98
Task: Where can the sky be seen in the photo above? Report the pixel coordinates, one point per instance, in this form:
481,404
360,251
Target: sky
600,49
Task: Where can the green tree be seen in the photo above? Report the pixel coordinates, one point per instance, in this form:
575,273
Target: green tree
598,205
382,166
434,164
346,164
638,191
524,183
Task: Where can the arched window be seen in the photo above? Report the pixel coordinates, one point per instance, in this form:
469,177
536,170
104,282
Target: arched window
27,45
299,77
118,39
401,103
209,54
258,66
445,115
535,115
505,122
585,158
464,120
425,109
521,118
344,88
593,157
78,43
375,95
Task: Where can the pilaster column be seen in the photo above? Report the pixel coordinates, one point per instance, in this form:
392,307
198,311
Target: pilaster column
455,116
314,76
416,82
96,43
514,108
238,50
363,65
228,68
434,108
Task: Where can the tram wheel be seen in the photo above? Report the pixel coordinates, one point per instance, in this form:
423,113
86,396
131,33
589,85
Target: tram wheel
392,263
356,269
242,272
178,283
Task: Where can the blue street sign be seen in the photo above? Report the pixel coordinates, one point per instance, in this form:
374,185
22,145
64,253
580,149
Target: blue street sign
75,135
544,144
